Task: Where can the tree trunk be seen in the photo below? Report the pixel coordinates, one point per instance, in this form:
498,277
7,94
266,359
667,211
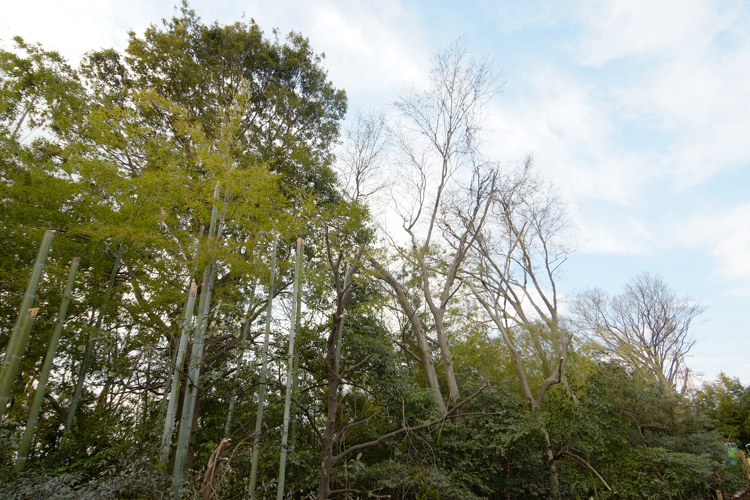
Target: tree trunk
263,374
445,351
41,388
326,441
554,480
289,371
424,348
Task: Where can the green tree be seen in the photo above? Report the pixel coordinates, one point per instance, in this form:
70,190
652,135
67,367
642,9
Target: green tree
728,404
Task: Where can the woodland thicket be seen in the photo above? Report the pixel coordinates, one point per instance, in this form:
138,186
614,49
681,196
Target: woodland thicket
237,325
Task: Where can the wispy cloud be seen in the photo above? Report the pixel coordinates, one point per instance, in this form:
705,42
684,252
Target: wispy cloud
372,48
726,234
690,64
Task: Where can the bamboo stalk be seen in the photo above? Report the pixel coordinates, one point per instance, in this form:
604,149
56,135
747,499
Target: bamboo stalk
41,388
15,358
173,360
168,382
28,298
289,374
90,344
295,379
263,373
166,438
196,358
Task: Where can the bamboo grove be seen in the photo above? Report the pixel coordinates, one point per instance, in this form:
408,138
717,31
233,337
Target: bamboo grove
197,301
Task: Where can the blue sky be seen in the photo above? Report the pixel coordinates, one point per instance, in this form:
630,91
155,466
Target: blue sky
639,112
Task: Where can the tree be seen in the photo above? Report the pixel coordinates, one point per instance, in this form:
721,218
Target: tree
646,326
127,152
439,143
727,402
363,156
513,272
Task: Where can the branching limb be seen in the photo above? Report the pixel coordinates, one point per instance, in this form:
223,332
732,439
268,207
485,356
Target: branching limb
588,466
306,411
450,414
356,366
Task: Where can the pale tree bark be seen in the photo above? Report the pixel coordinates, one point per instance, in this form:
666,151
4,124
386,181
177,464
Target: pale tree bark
416,324
290,371
513,276
438,139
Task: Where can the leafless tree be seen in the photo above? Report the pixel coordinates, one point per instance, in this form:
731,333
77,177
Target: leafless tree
515,265
513,273
334,430
438,138
363,155
646,326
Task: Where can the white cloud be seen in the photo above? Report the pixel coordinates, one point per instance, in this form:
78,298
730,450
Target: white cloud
646,29
568,126
76,27
372,48
727,234
516,16
684,78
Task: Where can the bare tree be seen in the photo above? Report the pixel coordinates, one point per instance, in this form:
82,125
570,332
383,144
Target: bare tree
363,155
334,430
438,139
513,276
515,263
645,327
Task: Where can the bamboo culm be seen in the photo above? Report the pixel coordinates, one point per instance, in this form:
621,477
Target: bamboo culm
166,438
263,373
41,388
173,360
28,299
90,344
295,379
196,357
289,372
15,357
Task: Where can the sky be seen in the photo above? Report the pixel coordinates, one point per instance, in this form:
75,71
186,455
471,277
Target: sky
638,111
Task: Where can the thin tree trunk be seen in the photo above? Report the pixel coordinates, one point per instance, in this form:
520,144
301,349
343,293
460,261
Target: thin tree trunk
240,364
335,375
295,380
41,388
424,348
16,356
327,438
175,348
554,480
166,438
263,373
90,344
445,351
196,359
289,371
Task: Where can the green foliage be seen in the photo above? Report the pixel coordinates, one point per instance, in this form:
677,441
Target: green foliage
727,402
126,151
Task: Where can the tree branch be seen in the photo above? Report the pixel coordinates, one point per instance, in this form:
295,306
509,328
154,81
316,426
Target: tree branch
309,418
588,466
449,414
355,366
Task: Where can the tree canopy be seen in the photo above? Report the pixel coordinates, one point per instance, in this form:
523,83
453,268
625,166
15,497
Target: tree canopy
192,183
